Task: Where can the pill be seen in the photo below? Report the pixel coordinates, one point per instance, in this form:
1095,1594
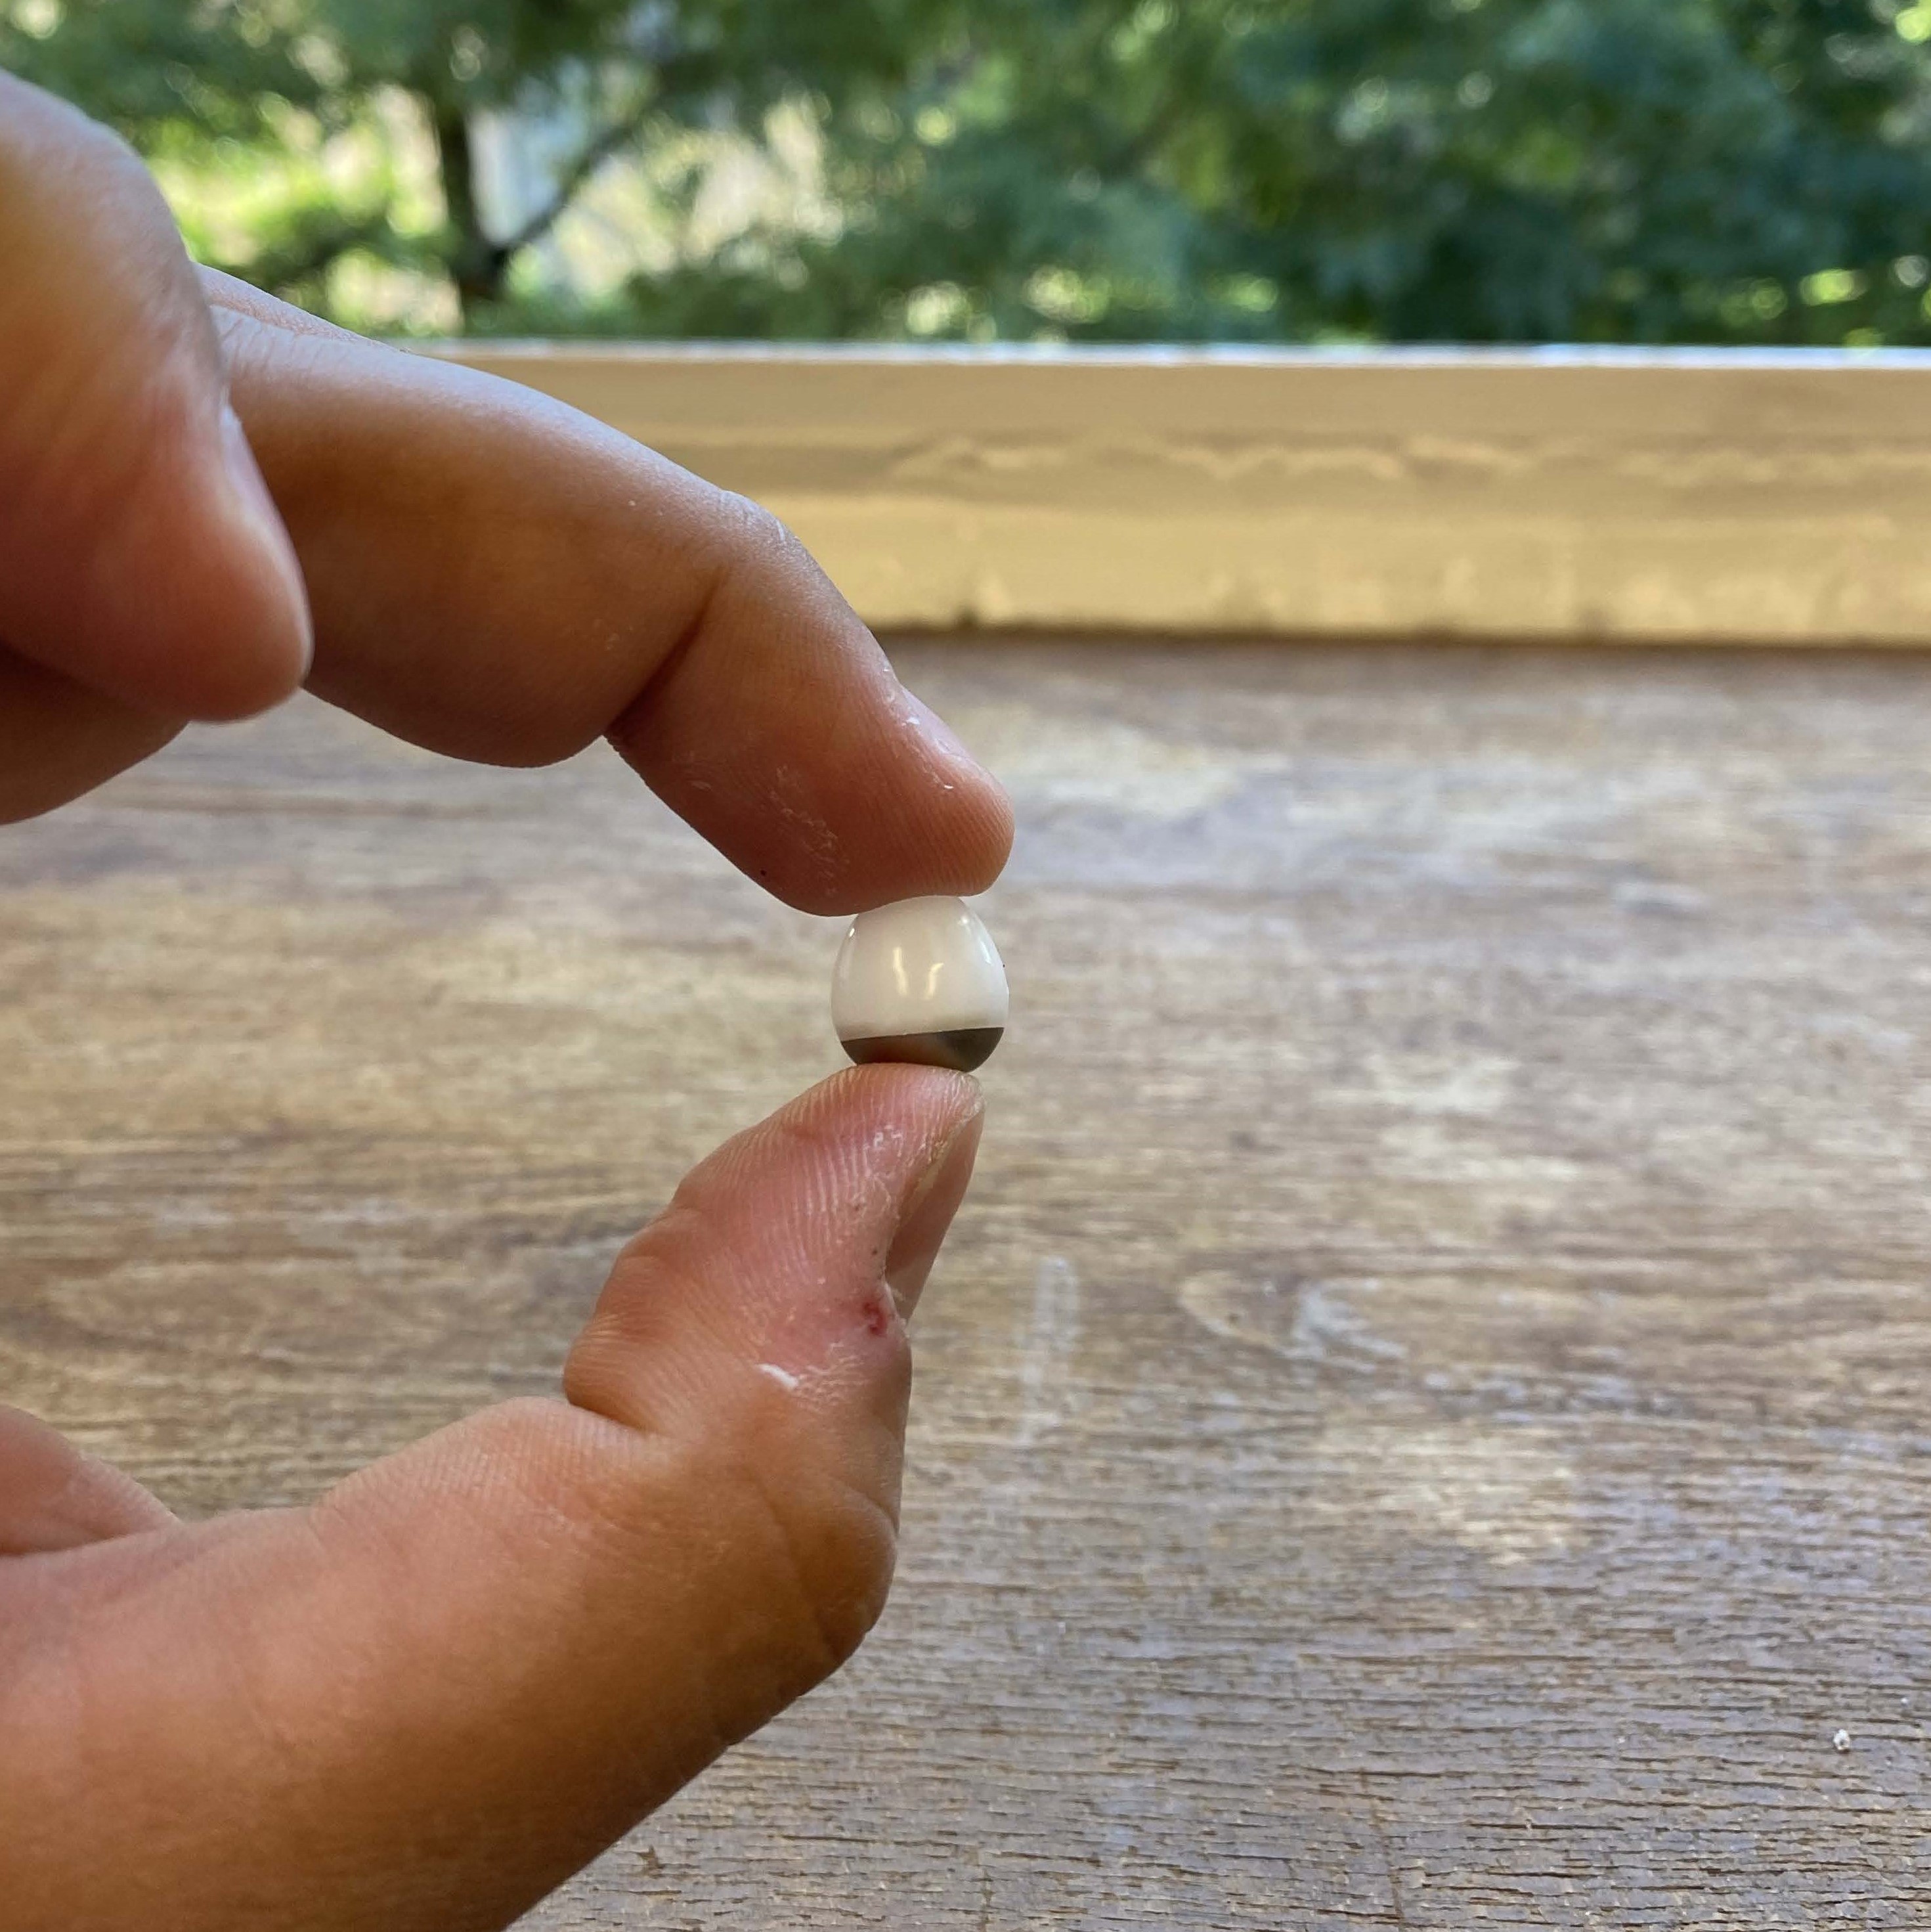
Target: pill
920,981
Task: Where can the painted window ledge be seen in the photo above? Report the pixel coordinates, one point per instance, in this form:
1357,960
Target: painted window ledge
1781,497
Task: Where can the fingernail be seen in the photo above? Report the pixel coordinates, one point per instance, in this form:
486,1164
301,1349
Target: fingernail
255,509
928,1214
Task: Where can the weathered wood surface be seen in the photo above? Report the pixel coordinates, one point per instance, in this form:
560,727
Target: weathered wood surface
1660,495
1423,1423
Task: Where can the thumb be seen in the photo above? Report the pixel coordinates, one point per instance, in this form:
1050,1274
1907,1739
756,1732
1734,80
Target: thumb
424,1701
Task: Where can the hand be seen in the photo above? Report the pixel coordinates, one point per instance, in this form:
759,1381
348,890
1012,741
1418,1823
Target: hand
425,1700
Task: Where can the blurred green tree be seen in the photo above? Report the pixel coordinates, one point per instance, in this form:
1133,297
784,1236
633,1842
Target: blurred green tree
225,84
1701,171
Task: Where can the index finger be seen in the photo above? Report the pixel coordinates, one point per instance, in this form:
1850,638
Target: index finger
496,576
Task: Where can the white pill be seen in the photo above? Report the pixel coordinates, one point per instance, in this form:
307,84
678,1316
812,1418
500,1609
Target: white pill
920,981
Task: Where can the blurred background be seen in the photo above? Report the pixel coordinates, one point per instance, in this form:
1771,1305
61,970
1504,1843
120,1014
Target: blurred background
1649,171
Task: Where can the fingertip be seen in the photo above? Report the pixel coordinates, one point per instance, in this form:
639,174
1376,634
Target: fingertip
955,820
58,739
806,762
53,1497
853,1103
898,1118
139,554
193,605
284,644
774,1253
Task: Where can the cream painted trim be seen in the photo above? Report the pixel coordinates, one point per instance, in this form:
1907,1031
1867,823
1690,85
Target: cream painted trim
1652,497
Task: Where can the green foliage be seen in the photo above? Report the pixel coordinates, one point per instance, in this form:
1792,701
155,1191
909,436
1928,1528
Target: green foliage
1647,170
1751,171
171,76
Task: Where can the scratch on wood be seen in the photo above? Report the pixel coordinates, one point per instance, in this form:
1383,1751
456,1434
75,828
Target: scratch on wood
1052,1333
1373,1800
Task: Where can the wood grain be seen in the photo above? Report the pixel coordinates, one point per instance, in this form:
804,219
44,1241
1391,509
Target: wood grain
1589,494
1423,1423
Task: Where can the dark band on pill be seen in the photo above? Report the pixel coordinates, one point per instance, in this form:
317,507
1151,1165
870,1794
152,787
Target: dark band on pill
961,1049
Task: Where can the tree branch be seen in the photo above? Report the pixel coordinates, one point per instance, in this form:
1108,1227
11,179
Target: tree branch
308,246
593,156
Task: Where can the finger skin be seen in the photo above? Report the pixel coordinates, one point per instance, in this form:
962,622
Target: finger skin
58,739
497,577
53,1497
423,1703
139,554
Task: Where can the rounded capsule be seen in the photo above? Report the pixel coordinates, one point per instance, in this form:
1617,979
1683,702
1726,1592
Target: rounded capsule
920,981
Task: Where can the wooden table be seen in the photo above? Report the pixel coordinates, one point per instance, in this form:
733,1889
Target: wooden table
1424,1422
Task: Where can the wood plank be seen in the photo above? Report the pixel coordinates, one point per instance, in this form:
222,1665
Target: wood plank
1423,1423
1589,495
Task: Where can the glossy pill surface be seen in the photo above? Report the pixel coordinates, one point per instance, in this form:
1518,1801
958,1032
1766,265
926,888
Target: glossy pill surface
920,981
